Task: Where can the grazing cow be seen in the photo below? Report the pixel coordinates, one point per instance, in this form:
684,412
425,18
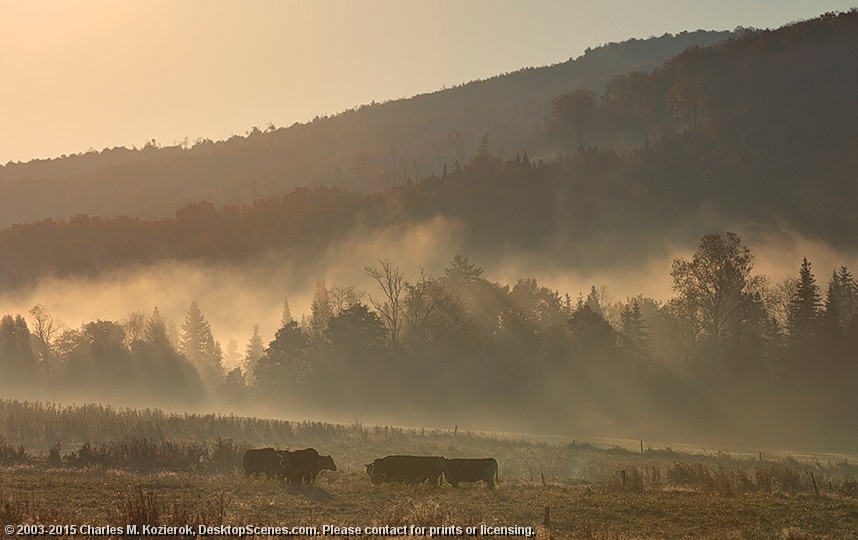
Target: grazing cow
406,469
304,465
325,463
471,470
265,461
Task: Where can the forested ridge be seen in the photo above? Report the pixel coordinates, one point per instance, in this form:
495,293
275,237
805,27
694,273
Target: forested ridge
757,133
722,136
372,147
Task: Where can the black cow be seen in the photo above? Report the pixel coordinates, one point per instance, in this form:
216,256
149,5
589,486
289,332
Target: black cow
406,469
471,470
304,465
265,461
325,463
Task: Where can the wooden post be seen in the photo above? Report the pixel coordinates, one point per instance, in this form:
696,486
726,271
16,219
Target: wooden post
543,479
547,520
531,473
455,429
641,446
761,456
623,474
815,489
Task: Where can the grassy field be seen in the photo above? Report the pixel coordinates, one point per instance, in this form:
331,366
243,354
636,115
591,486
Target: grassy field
93,474
100,497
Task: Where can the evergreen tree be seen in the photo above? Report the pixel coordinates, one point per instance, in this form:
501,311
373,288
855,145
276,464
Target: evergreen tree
321,311
283,368
252,353
461,273
155,329
232,357
837,319
593,301
198,344
634,336
286,317
804,307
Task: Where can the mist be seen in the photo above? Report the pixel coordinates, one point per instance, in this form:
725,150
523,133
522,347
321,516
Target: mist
233,298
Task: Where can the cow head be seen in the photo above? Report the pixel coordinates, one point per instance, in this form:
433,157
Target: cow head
327,462
370,471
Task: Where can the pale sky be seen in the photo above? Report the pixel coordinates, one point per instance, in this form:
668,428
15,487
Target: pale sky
87,74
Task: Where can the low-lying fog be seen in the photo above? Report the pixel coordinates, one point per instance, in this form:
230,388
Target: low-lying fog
234,299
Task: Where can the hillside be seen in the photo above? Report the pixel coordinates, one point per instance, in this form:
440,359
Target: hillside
753,136
368,148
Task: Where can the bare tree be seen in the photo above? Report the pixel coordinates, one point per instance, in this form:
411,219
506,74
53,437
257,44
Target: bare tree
342,298
392,284
134,326
428,304
45,329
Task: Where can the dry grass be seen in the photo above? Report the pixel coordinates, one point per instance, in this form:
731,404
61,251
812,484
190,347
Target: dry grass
37,494
591,492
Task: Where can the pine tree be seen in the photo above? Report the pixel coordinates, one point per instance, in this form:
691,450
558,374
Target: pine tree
839,313
321,311
155,330
634,336
252,353
461,273
198,344
803,317
286,317
593,301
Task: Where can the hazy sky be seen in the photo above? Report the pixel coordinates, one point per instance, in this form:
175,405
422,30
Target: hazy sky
95,74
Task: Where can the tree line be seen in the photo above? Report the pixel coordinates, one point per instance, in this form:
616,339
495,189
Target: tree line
727,353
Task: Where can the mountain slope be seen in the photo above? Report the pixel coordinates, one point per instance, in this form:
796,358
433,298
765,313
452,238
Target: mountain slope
372,147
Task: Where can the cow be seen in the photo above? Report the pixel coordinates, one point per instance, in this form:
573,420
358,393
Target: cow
325,463
304,465
265,461
471,470
406,469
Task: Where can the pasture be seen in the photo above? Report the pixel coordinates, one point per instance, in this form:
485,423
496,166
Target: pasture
589,491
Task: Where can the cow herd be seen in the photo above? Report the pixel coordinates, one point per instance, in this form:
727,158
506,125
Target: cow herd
303,466
419,469
295,467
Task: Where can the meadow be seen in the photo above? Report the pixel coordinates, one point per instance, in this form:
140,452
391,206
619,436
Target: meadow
103,467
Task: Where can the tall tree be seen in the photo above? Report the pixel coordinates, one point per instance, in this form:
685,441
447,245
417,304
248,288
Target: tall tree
16,353
432,311
198,345
284,367
321,311
576,110
594,301
804,308
390,305
461,273
286,315
634,336
841,303
45,329
713,289
252,354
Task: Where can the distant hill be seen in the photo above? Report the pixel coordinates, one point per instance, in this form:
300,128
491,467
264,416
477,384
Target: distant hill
370,148
759,132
